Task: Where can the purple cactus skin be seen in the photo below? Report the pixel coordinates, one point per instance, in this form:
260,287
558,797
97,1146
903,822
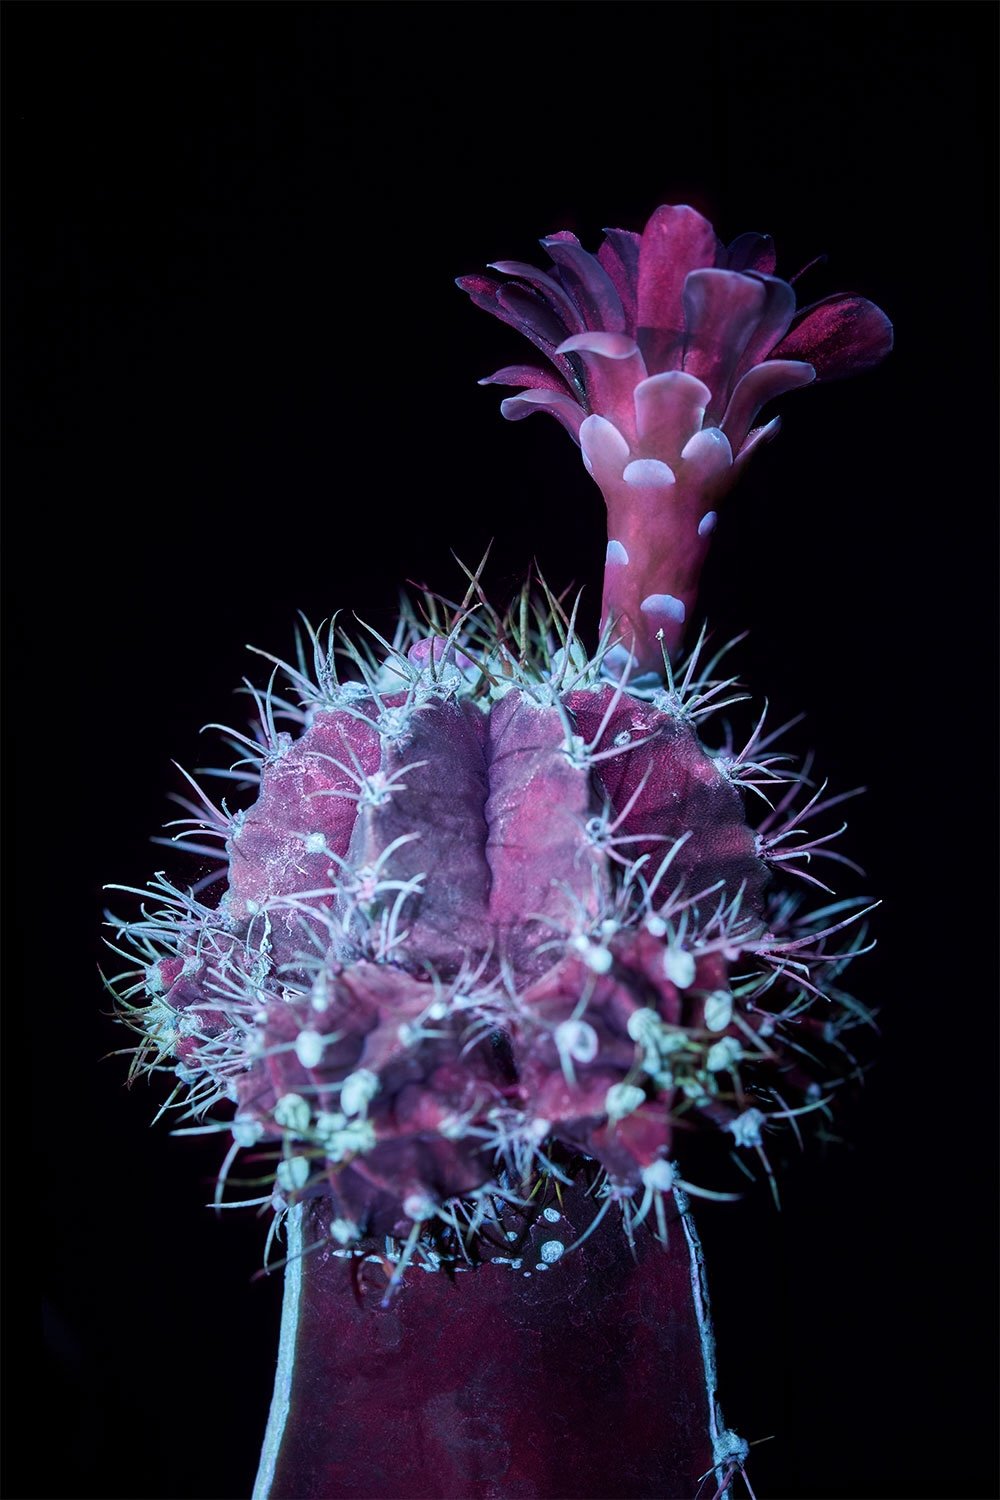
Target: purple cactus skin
494,933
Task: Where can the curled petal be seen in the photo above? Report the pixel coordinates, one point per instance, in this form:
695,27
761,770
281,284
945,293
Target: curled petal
669,408
545,285
723,308
756,439
706,456
485,293
676,241
533,313
608,345
477,286
775,316
751,252
605,451
612,367
759,386
619,255
839,336
526,375
587,283
563,408
646,472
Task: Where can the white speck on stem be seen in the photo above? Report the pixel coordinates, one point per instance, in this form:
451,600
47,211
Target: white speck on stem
664,604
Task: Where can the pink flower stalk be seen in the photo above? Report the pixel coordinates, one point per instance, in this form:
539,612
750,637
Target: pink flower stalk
666,346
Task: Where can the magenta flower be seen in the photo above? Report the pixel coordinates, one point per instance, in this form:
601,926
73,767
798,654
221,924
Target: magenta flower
665,348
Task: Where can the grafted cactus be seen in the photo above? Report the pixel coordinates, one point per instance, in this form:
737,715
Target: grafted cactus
492,934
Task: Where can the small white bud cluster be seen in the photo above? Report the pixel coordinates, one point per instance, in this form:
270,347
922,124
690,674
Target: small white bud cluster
597,958
679,966
341,1137
723,1054
293,1114
292,1173
576,1040
659,1176
344,1231
622,1099
247,1131
659,1041
341,1133
309,1048
348,1131
718,1010
746,1128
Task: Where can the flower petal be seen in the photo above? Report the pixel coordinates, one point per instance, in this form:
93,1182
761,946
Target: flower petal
839,336
619,255
565,410
759,386
612,368
776,314
532,312
587,282
605,451
706,456
548,287
669,408
644,472
757,439
608,345
485,293
477,286
676,241
527,375
752,252
722,308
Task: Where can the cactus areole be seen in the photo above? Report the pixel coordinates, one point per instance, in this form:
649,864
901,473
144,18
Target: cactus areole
491,935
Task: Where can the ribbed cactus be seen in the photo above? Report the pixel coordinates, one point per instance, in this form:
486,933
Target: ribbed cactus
480,910
492,934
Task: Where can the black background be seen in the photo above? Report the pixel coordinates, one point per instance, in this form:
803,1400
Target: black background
241,382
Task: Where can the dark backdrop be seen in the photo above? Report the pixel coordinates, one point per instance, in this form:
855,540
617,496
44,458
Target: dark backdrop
241,382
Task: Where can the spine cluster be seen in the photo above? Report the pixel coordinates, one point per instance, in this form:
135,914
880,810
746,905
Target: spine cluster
491,921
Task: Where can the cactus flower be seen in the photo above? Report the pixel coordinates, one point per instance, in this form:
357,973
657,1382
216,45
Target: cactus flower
492,930
665,347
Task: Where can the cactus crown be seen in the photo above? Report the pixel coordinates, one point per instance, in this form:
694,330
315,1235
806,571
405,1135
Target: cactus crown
494,920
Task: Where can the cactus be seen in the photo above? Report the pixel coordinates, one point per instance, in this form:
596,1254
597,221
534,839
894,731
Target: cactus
494,931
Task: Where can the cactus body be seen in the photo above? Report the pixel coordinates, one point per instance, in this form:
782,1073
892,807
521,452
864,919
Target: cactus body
494,926
490,1384
494,933
461,929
